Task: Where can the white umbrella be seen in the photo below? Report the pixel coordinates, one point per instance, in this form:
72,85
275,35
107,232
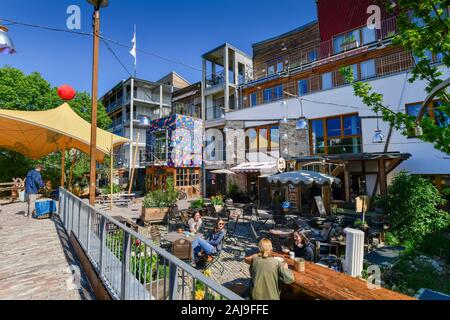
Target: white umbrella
223,171
304,177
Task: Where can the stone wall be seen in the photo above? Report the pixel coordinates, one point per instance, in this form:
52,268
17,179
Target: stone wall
296,142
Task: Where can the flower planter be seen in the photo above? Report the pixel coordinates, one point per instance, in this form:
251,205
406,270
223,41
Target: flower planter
349,45
218,208
154,214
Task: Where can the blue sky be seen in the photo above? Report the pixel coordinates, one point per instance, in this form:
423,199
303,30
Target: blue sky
178,30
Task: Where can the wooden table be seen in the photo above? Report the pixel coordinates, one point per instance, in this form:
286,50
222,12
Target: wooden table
174,236
319,282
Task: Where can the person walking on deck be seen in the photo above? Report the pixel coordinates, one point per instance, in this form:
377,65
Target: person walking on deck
33,183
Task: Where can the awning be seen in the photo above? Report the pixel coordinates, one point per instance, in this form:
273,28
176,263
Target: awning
36,134
304,177
223,171
262,167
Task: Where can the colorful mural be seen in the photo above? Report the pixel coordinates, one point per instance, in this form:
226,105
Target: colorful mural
185,143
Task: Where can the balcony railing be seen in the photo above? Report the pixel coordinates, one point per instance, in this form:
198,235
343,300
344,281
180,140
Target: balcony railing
218,78
131,266
214,113
314,54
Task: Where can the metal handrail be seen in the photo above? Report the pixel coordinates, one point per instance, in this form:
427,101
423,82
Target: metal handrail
114,259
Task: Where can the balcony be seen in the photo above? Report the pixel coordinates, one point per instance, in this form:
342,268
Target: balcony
215,113
218,78
330,50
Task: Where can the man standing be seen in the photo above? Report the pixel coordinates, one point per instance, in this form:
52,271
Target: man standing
33,183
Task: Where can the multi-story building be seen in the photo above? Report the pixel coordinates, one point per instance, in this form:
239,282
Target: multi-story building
225,68
297,105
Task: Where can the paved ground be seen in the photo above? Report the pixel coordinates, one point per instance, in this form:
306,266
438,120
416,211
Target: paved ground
235,269
36,259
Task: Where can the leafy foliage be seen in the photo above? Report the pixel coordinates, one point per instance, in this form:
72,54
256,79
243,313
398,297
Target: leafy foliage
412,205
198,204
422,26
162,198
217,200
33,93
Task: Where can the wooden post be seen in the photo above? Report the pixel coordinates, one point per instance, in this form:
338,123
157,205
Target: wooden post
111,180
93,144
69,185
63,165
382,173
347,183
133,164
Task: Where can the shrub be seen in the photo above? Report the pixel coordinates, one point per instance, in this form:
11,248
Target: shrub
412,205
217,200
161,198
116,189
198,204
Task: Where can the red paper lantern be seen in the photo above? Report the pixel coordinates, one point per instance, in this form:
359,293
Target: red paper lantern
66,92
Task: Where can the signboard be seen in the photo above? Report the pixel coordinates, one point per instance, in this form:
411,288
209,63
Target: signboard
281,165
320,206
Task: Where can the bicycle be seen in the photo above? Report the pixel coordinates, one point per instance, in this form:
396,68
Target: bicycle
182,195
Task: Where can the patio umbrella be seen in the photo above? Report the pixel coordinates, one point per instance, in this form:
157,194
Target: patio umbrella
304,177
38,133
223,171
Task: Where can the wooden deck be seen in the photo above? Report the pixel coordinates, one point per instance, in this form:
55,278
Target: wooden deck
36,259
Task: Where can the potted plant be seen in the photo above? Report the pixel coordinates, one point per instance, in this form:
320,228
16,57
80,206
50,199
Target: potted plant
348,43
156,204
217,202
198,204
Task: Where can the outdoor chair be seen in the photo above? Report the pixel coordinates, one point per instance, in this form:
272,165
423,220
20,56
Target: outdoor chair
174,220
262,217
214,260
211,211
182,249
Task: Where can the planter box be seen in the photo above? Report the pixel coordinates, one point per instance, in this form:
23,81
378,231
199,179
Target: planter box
218,208
154,214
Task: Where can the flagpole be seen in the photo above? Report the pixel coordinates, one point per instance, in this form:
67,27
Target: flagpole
135,54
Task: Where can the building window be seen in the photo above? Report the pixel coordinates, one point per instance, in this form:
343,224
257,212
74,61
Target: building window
327,81
274,93
368,69
161,146
254,99
303,87
265,140
347,41
369,35
270,70
280,66
336,135
433,112
312,55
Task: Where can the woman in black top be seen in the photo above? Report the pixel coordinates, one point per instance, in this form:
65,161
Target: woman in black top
302,246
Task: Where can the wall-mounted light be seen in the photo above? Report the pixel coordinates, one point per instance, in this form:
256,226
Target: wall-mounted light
302,123
378,137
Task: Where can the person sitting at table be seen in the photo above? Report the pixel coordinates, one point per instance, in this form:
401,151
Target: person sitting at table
195,222
302,246
213,244
266,272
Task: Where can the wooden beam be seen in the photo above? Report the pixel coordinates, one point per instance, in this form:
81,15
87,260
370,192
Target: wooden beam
382,177
63,166
347,183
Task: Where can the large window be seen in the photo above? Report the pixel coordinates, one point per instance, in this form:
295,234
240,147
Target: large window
368,69
264,140
327,81
161,146
336,135
253,99
354,39
433,112
274,93
303,87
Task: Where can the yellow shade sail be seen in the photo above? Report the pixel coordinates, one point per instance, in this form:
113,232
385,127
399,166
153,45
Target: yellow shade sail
36,134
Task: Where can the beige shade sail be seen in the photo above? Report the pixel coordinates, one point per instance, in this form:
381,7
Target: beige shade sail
36,134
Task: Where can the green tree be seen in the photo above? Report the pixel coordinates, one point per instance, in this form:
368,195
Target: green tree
413,206
33,93
423,26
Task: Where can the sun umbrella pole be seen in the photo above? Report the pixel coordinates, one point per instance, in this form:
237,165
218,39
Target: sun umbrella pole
63,165
134,163
111,173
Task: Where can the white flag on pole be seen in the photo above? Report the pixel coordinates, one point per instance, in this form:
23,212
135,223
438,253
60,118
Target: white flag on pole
133,50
